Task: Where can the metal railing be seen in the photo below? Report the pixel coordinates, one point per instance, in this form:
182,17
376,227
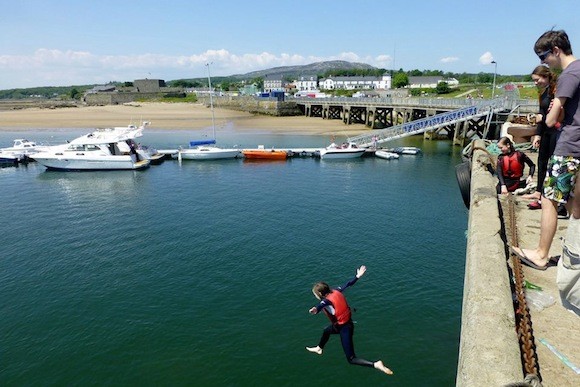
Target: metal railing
478,109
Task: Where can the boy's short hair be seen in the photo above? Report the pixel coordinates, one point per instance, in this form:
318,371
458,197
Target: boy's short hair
551,39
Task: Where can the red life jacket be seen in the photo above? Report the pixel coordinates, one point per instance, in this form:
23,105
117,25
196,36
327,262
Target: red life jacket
512,166
341,308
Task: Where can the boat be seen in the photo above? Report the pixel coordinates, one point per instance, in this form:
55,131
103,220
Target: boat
205,149
383,154
151,154
144,151
7,159
346,151
406,150
20,151
265,154
103,149
24,146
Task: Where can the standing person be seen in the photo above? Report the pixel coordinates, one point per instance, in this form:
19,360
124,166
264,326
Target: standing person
334,305
554,49
510,167
546,137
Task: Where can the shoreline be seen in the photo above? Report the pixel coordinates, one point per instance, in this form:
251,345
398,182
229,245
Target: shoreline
168,116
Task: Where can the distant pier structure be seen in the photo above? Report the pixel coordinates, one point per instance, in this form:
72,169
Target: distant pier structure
384,113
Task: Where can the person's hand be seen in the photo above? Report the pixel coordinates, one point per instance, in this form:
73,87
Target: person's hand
504,190
360,271
536,142
312,310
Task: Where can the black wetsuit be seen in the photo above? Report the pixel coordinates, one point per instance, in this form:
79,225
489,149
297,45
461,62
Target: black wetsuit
346,330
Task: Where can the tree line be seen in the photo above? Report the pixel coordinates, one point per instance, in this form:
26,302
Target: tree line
400,78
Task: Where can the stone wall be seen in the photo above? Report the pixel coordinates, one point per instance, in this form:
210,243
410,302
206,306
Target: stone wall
100,99
271,107
489,352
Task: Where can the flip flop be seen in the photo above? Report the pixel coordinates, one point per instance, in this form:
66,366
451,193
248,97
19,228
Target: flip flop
526,260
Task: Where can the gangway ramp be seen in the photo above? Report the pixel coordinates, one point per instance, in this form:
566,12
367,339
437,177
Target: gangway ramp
429,124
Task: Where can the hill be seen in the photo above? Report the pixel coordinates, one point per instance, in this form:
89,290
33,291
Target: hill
313,68
318,68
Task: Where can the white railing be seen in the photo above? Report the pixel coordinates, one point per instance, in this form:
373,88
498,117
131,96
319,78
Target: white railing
430,123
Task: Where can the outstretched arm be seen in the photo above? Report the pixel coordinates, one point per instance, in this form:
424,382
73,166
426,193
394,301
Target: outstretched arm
359,273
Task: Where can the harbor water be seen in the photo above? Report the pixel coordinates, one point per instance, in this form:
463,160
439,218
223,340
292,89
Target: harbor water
200,273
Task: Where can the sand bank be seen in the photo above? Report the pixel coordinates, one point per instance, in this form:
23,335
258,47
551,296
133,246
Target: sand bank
171,116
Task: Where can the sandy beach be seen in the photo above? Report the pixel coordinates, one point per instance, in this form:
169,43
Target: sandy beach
173,116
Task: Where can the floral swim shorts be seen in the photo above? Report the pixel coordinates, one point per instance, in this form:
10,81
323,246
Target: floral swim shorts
561,177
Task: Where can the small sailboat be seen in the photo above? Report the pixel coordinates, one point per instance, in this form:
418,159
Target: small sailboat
205,149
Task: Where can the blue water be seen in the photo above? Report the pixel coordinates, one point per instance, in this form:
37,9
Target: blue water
200,273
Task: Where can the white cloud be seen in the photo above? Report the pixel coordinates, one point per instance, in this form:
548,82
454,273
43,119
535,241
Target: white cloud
486,58
449,59
50,67
382,61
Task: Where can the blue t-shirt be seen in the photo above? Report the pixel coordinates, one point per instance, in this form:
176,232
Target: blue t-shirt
569,87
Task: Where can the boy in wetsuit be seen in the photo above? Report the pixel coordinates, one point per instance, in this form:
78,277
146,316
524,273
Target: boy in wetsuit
334,305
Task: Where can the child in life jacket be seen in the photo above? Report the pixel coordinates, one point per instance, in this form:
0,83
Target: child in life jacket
510,167
334,305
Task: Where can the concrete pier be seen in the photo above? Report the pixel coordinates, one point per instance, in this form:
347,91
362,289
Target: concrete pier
489,352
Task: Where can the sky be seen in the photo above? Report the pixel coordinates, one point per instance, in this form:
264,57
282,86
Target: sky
74,42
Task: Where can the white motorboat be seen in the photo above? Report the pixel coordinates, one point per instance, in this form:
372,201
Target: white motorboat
406,150
205,149
7,158
383,154
103,149
20,150
345,151
22,145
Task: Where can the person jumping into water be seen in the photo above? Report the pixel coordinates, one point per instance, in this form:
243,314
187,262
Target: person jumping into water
334,305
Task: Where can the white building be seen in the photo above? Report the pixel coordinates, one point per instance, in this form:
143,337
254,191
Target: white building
306,82
273,83
356,83
430,82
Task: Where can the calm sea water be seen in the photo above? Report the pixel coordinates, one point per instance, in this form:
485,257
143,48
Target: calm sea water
200,273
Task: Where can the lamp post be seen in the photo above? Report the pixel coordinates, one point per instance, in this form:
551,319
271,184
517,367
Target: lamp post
494,75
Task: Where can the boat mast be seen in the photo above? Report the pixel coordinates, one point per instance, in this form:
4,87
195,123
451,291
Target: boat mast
211,100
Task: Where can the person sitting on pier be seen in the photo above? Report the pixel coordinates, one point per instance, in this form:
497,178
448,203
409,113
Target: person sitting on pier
510,167
334,305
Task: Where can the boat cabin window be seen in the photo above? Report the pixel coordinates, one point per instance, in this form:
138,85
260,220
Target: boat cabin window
91,147
76,147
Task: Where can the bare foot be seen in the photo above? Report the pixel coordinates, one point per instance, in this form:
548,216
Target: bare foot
381,367
531,258
316,350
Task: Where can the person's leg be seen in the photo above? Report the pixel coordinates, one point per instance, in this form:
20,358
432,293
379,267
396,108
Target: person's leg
556,189
574,202
346,334
323,340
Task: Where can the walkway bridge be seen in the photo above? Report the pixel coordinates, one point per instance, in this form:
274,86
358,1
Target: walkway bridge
479,111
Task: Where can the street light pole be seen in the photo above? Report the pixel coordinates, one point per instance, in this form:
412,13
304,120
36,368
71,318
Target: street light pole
494,75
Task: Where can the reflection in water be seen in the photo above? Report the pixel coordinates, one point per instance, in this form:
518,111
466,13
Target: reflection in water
107,187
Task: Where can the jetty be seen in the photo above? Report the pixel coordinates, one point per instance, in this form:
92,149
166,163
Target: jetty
501,341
